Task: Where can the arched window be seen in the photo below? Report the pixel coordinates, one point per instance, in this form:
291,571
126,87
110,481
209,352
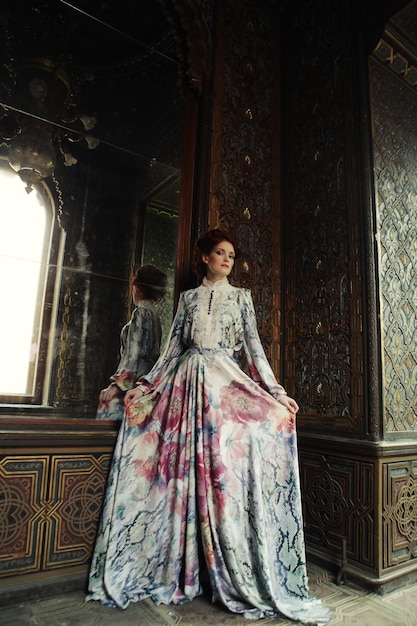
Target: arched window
26,232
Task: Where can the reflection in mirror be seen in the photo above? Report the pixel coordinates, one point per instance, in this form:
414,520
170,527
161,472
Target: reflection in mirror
92,113
161,224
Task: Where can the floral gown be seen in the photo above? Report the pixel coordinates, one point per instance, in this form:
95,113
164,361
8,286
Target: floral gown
205,471
140,343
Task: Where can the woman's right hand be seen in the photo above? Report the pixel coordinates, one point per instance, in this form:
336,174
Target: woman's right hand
133,395
107,394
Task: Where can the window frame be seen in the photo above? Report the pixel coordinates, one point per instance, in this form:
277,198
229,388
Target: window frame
43,330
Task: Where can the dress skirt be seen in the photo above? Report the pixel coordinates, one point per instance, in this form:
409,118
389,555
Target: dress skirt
205,470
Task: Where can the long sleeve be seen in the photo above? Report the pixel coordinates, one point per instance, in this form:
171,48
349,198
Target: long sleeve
259,367
140,346
174,348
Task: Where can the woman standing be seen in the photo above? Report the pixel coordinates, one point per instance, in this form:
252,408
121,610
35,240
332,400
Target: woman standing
140,341
207,455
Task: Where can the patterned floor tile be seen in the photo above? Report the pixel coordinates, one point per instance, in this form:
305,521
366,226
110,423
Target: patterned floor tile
350,605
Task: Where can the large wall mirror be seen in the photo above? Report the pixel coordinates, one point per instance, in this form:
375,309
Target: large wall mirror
92,114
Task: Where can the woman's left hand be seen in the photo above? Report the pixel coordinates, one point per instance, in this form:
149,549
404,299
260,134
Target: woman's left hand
133,395
289,403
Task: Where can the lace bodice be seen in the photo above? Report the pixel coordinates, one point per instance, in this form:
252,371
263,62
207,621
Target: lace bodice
213,316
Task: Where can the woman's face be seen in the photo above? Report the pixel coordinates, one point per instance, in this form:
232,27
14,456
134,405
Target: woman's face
219,261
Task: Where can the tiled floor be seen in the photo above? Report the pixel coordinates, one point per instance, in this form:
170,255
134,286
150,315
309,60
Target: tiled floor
350,605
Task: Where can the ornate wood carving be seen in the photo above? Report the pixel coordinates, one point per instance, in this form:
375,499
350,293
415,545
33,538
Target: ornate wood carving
395,154
198,40
399,512
339,504
23,485
49,509
243,198
324,302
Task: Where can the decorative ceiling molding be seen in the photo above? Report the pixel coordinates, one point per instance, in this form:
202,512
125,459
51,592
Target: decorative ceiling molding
397,44
396,60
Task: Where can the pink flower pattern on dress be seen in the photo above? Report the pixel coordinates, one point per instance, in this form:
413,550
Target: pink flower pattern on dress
241,404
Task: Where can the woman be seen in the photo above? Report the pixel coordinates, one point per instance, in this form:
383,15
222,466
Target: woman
140,341
207,456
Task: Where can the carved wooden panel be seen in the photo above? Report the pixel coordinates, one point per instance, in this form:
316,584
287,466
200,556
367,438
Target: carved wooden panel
339,503
49,509
324,316
244,191
399,512
394,104
73,508
23,481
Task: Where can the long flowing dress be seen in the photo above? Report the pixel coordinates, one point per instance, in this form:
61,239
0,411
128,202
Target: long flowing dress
140,345
207,458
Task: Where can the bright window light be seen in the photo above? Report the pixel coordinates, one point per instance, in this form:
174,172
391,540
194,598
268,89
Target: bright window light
23,223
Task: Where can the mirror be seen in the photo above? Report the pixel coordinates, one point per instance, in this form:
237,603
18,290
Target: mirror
92,112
